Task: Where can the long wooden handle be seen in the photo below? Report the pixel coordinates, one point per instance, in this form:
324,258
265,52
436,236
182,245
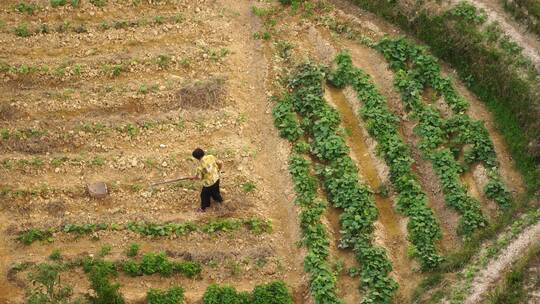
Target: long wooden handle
169,181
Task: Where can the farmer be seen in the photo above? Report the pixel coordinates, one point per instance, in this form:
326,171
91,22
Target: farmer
208,171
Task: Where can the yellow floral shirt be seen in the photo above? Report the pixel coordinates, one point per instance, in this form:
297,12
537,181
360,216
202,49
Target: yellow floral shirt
208,170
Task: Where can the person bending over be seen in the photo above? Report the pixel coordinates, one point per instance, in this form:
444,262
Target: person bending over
208,171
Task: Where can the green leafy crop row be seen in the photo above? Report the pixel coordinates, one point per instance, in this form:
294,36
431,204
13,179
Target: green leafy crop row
159,263
151,263
315,237
320,123
256,225
382,124
443,140
459,129
417,70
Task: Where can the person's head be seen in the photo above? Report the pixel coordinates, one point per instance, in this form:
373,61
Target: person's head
198,153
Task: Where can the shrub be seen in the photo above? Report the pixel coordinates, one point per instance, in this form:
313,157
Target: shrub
132,268
105,291
47,289
174,295
156,263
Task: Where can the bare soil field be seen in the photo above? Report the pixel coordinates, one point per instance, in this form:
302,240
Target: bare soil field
122,93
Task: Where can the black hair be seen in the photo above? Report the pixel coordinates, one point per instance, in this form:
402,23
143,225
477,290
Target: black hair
198,153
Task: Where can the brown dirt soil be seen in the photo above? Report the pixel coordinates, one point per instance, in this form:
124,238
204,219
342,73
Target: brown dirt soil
85,119
68,128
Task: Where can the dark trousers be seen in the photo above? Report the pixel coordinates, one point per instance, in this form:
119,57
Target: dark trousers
210,192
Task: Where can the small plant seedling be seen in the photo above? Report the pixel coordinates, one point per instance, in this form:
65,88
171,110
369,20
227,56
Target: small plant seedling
213,264
47,279
23,7
75,3
43,29
57,3
117,69
22,31
105,249
260,261
55,255
339,266
234,267
185,62
98,3
163,61
98,161
178,19
132,250
143,89
159,20
248,186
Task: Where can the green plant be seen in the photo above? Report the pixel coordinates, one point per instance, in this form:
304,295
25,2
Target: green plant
84,228
272,293
22,31
46,285
23,7
159,19
249,186
132,250
285,120
173,295
105,291
98,161
105,250
163,61
57,3
132,268
75,3
43,29
98,3
29,236
507,92
339,175
55,255
216,294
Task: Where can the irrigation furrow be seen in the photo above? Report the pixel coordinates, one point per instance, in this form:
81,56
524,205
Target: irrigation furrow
391,231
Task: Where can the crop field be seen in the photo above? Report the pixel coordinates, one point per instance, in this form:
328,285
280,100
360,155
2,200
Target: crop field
364,160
